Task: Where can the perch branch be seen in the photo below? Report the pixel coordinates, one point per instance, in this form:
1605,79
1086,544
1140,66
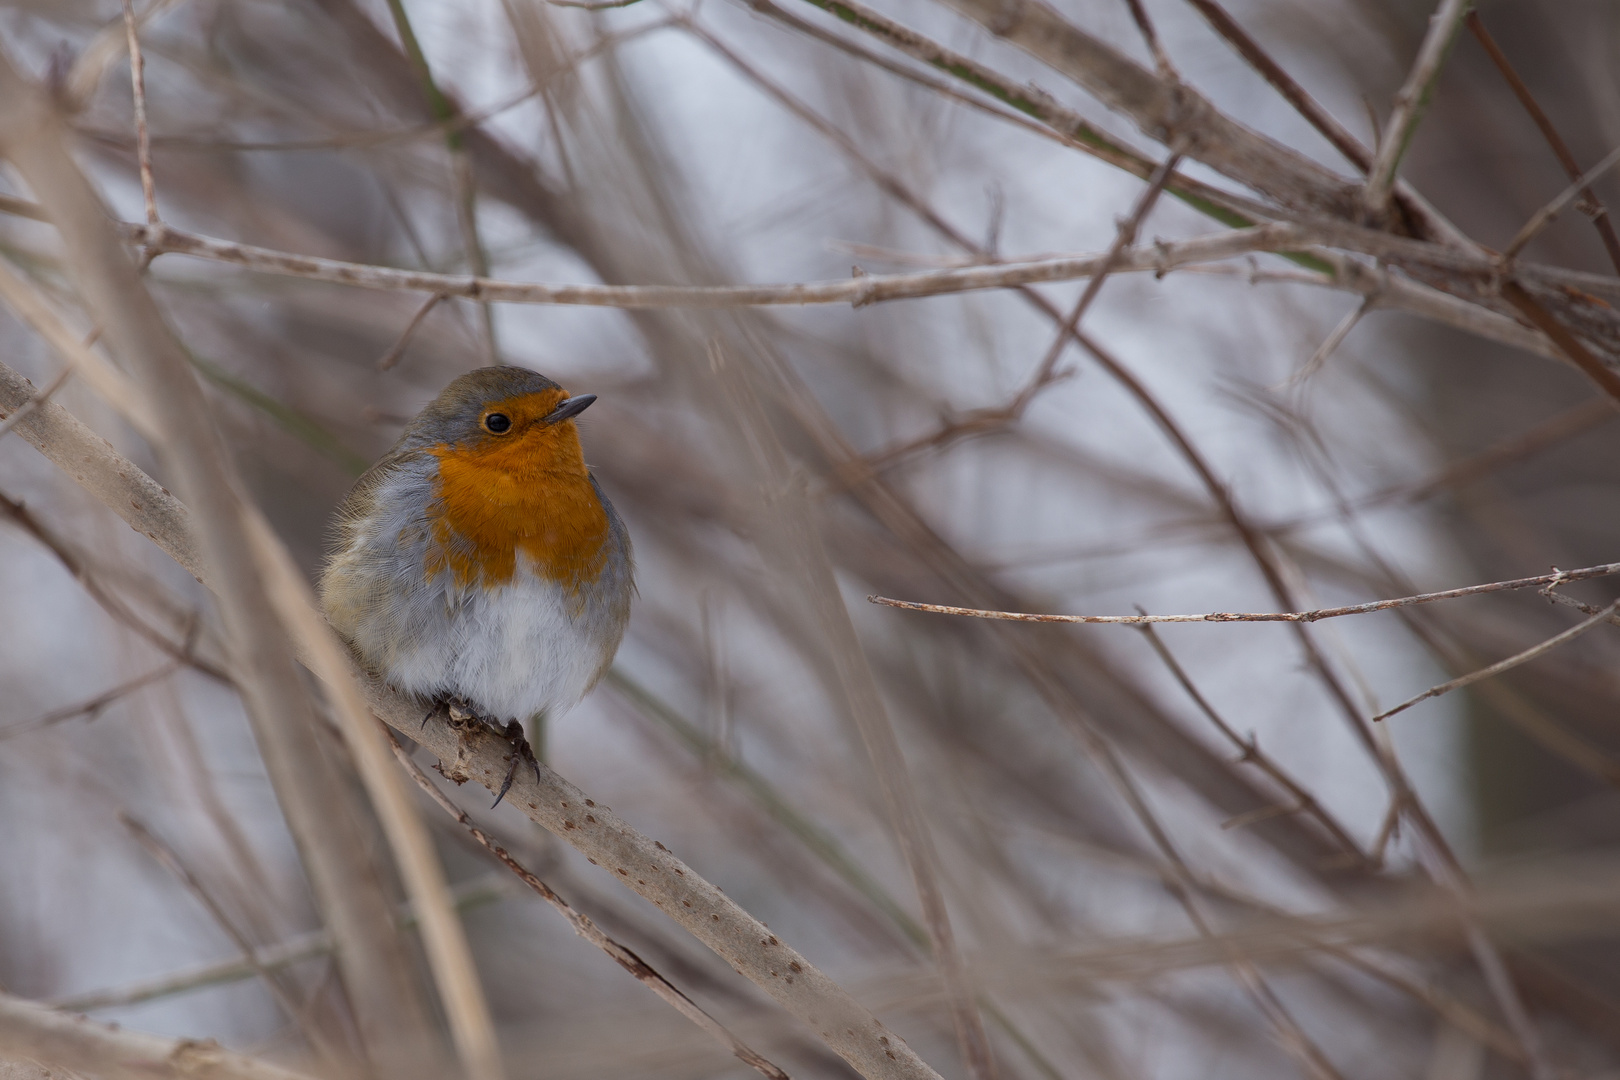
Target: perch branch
585,928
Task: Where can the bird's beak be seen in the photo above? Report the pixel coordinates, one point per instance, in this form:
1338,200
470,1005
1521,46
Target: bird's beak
570,408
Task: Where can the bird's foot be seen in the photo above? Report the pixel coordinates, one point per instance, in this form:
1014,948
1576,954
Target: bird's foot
462,716
521,752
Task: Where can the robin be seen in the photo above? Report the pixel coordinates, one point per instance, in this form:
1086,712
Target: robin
478,564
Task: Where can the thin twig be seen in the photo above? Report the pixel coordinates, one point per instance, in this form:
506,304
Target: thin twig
1590,204
860,291
1046,372
1144,24
463,184
273,957
111,384
1123,238
397,349
1331,343
1249,751
76,565
297,1010
584,927
1411,101
1505,665
1556,578
1330,129
592,5
94,706
143,145
1160,257
1543,217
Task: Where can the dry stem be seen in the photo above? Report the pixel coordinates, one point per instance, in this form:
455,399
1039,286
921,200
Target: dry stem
1558,577
34,1031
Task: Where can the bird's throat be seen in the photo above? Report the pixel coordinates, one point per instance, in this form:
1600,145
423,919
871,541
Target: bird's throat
531,495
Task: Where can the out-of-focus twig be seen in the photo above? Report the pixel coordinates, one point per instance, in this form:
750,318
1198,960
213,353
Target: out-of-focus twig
1578,188
463,184
1508,664
38,399
461,993
75,563
1249,751
110,41
397,349
273,957
1590,204
114,387
788,538
1159,109
31,1030
374,965
94,706
273,981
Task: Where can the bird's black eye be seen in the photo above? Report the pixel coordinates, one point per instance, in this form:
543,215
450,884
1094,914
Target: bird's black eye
498,423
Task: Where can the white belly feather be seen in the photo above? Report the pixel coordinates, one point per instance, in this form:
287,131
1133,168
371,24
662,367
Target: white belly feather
520,649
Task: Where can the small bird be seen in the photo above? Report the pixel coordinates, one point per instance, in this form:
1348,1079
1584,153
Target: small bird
478,563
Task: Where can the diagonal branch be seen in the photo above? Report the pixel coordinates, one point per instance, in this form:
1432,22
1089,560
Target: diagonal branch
34,1031
1163,111
1590,204
1411,102
587,929
1602,616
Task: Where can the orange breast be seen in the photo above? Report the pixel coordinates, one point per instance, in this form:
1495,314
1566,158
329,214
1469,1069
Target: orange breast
530,494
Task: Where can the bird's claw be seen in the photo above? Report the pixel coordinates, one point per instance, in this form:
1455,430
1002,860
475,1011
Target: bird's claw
521,751
462,716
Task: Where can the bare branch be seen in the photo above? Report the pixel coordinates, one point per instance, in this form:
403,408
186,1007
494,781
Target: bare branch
273,981
397,349
1545,580
143,144
1411,101
585,928
1580,186
274,957
1249,750
1591,205
1506,665
94,706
